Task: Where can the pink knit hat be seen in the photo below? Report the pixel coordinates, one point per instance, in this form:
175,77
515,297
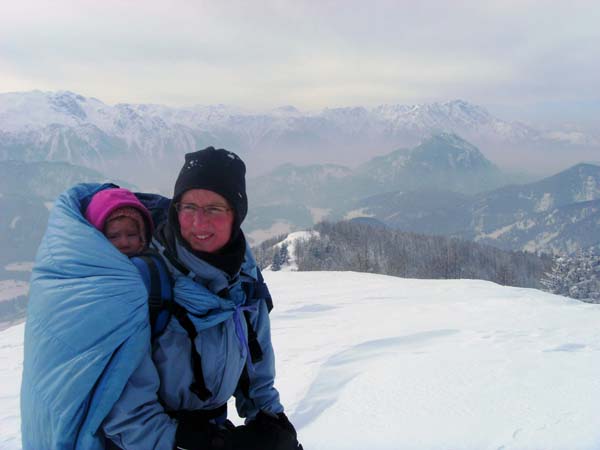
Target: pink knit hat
112,203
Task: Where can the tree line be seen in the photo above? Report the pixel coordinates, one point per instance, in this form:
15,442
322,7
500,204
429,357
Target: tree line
361,247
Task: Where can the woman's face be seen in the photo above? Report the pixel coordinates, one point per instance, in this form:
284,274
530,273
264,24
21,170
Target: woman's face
205,220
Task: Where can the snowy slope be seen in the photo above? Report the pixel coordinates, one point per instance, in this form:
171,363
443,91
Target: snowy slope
374,362
290,243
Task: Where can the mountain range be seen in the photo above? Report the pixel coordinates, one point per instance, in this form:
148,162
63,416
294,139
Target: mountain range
145,143
443,183
444,186
298,196
560,213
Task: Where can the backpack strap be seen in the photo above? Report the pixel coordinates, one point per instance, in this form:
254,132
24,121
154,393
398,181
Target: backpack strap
256,289
158,282
198,387
161,306
256,353
262,290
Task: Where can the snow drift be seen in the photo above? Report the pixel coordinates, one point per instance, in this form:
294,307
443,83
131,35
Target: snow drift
375,362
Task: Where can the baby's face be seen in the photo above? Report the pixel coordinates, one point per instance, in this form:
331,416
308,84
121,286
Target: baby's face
124,234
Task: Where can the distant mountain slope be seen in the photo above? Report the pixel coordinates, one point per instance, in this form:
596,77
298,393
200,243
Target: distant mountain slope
443,161
558,213
46,179
429,211
316,185
27,192
22,224
538,215
65,126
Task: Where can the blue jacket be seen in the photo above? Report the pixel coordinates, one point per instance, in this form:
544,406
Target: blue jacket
90,367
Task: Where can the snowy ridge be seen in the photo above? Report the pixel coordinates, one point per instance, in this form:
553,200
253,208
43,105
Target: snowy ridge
69,127
373,362
21,111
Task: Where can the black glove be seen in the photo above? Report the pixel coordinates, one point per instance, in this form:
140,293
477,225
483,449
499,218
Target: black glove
268,421
203,436
266,432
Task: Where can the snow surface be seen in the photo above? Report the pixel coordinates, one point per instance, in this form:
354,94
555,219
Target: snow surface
19,267
545,203
375,362
362,212
11,366
14,222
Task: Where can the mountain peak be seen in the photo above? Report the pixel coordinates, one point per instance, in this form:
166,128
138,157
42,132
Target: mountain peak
444,148
450,139
67,102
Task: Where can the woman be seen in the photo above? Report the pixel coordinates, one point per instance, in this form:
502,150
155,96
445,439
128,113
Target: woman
171,393
202,237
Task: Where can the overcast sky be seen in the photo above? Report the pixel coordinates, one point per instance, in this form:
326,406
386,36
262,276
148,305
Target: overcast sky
527,60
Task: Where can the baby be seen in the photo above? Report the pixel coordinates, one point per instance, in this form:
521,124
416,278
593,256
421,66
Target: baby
122,218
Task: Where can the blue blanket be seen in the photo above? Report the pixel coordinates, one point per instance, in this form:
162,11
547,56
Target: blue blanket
87,329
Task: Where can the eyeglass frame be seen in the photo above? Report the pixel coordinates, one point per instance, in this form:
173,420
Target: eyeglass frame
222,210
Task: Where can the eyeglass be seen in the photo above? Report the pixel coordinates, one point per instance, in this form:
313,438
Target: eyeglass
190,211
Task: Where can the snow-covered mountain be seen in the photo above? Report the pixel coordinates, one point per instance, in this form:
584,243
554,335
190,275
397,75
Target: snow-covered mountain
559,213
442,161
299,196
144,143
373,362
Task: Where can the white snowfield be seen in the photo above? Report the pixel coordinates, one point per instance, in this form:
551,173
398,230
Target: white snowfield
375,362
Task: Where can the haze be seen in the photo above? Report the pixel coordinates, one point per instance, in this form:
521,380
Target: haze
523,60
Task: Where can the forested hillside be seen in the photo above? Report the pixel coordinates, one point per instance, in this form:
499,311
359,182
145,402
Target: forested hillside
361,247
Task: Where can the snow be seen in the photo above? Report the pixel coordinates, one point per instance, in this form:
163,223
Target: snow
14,222
11,366
570,137
10,289
526,224
540,242
545,203
374,362
496,233
361,212
291,241
19,267
590,190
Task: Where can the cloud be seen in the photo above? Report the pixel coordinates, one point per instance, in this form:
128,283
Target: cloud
313,54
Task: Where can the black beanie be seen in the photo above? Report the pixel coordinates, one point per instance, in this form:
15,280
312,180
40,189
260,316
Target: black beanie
219,171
